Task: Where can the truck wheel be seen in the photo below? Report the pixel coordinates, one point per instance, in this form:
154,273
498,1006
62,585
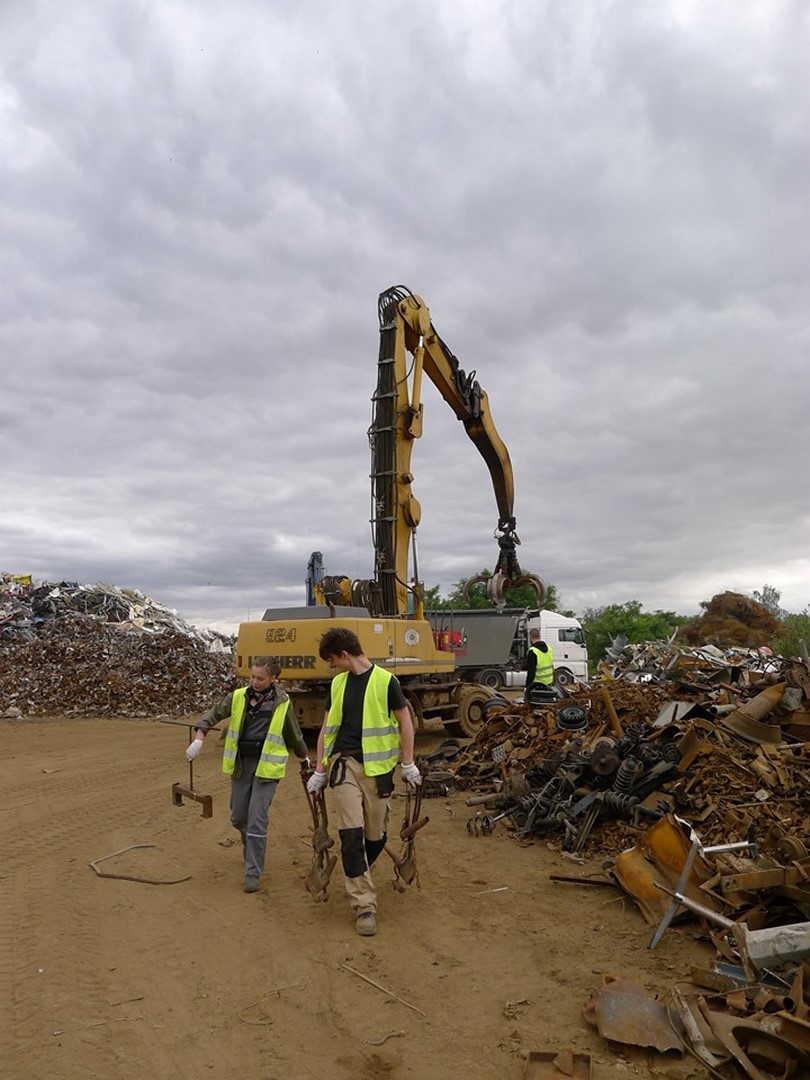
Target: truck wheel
491,677
471,701
563,677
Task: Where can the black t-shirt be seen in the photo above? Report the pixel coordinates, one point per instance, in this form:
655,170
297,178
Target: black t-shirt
350,736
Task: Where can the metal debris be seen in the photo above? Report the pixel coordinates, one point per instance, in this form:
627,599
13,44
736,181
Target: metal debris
68,649
594,790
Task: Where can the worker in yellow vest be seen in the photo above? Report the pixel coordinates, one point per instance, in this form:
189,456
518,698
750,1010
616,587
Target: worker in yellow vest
262,729
367,729
539,662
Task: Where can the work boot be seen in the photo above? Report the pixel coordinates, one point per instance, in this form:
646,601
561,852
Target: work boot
251,883
366,924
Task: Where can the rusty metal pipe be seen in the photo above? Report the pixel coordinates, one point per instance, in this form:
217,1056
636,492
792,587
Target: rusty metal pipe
610,709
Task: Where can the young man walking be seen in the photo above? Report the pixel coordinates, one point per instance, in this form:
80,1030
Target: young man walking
366,729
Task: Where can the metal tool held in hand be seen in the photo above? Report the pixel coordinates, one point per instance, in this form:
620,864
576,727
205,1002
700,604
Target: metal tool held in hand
179,792
320,871
405,868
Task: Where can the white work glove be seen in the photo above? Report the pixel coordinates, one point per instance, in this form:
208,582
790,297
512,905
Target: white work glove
193,749
316,783
411,774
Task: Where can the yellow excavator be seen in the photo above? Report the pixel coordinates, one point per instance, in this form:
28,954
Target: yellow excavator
387,611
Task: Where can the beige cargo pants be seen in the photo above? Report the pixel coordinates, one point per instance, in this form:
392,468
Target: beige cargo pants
362,823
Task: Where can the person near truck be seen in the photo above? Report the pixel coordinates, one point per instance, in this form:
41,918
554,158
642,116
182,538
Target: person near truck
262,730
539,662
366,730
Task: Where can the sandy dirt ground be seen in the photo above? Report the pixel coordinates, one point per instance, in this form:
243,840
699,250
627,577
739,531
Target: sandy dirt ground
103,977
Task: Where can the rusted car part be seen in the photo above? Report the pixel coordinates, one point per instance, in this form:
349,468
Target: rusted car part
698,1036
755,1048
437,778
405,869
659,859
180,791
747,720
748,1025
623,1012
672,910
320,870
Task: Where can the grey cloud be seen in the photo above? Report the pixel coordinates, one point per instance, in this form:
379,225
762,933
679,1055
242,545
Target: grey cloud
602,205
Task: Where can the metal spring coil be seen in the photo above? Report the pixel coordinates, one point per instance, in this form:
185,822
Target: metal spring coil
627,774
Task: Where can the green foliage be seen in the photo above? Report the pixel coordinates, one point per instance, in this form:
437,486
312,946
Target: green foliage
792,630
522,597
603,624
433,600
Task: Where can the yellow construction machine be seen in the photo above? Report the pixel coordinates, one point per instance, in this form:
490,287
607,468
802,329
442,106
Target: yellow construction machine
387,611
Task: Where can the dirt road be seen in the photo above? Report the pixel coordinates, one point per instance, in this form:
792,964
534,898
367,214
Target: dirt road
104,977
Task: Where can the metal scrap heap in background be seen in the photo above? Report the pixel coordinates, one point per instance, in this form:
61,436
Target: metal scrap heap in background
67,648
724,748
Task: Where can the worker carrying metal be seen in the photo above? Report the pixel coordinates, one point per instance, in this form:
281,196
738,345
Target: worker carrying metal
262,730
366,730
539,662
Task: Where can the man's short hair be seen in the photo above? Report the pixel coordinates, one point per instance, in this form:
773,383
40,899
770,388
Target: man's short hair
337,640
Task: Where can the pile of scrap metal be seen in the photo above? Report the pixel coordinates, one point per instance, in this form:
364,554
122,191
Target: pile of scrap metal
97,650
748,1013
27,609
700,665
598,768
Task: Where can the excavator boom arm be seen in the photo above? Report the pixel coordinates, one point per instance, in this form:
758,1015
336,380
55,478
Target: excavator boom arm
408,340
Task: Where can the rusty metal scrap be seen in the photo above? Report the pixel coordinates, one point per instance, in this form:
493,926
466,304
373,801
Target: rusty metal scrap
594,790
67,649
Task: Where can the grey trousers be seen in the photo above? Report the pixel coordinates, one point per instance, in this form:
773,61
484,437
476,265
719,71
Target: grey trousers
250,811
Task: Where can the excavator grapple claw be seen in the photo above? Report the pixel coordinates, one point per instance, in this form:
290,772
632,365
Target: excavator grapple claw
497,584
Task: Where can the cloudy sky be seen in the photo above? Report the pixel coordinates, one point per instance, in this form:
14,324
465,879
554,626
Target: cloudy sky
604,205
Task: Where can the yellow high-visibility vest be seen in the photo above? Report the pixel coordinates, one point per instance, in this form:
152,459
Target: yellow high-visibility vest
544,671
273,758
380,741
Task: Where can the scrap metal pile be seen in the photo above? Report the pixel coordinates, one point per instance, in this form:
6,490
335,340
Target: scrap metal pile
695,778
97,649
592,771
747,1014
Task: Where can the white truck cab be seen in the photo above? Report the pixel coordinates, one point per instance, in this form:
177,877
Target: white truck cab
566,639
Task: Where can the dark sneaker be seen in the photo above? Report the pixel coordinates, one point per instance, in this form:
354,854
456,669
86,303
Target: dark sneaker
251,883
366,924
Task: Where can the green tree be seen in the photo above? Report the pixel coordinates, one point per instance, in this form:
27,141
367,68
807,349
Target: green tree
603,624
792,630
433,599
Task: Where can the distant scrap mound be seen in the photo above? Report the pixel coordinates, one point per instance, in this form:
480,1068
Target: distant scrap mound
68,649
